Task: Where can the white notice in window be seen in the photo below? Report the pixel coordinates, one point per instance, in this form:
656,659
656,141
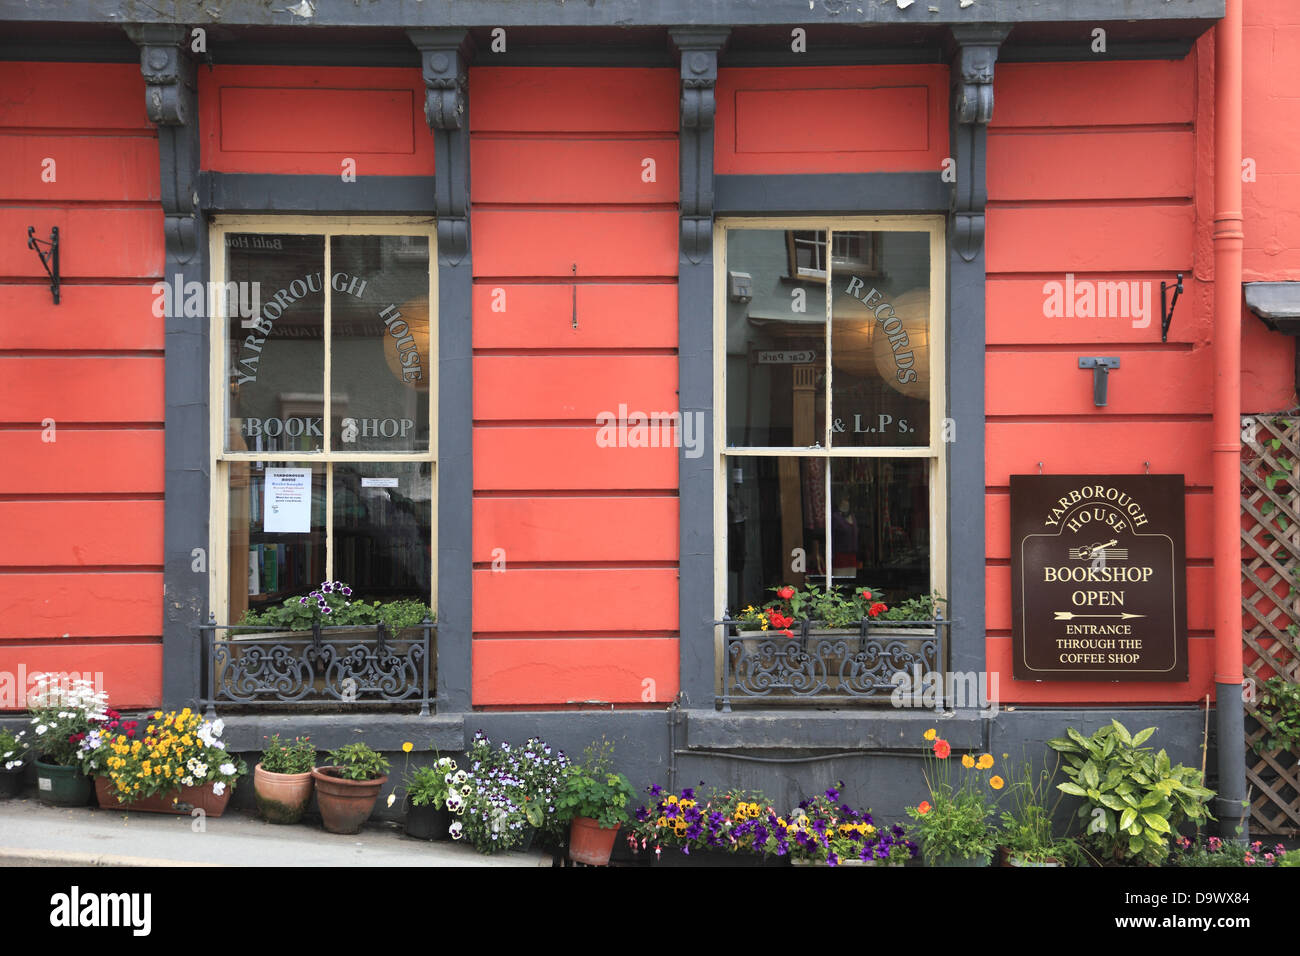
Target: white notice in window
378,482
288,500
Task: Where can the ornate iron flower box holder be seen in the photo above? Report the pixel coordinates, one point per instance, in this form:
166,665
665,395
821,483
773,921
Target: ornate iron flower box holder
824,666
340,665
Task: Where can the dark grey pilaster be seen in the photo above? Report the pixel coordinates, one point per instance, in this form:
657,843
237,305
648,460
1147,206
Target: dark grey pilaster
445,56
171,102
972,108
699,62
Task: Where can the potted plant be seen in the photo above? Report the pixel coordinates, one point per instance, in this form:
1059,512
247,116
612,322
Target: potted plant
1027,835
347,788
594,798
179,763
63,715
13,761
721,828
1133,799
824,831
508,795
282,780
953,825
427,789
332,605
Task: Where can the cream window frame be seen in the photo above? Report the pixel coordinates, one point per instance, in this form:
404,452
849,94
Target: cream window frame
219,392
935,452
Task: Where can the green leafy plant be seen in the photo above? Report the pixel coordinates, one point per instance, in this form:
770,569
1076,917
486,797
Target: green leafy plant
429,786
1027,830
831,607
279,757
1277,708
955,822
13,749
1133,799
358,762
592,789
923,607
331,605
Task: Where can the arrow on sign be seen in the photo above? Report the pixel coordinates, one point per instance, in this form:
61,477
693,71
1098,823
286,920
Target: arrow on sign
1070,616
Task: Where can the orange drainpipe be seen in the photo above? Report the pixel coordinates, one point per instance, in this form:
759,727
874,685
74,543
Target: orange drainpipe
1228,242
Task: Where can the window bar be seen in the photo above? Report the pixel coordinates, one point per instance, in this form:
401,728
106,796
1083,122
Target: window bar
327,412
828,552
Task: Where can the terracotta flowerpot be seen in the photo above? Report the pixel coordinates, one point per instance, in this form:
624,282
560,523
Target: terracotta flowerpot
281,797
591,843
181,801
345,805
61,786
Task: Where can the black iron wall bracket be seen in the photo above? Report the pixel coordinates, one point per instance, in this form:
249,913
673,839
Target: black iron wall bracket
1100,367
49,259
1167,313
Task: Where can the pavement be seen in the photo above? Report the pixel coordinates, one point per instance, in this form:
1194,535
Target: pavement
32,834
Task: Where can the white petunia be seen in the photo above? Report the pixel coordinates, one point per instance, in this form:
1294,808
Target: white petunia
218,727
218,788
228,769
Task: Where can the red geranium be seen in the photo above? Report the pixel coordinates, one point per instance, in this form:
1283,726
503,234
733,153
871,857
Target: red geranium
942,749
877,609
785,593
777,619
866,595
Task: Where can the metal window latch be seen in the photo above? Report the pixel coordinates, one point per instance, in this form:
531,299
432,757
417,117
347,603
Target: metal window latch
1100,367
1167,314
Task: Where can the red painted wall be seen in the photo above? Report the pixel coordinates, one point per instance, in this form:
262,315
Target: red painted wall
582,602
308,120
831,119
81,516
1270,203
1087,179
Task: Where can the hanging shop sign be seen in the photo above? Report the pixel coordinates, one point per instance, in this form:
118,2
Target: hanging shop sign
1098,577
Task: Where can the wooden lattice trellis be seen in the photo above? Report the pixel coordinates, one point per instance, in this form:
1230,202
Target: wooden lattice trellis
1270,570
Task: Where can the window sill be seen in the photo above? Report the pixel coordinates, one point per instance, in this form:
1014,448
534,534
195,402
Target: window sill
884,729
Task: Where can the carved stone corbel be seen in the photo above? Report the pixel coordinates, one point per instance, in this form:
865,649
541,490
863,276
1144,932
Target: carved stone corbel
445,55
972,109
699,50
171,102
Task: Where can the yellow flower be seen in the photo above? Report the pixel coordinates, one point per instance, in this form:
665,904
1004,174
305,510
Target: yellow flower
407,747
661,822
185,712
968,761
930,734
672,798
985,761
996,782
157,715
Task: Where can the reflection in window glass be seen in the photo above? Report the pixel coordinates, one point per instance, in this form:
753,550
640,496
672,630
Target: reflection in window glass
276,365
776,340
380,342
875,532
382,523
268,566
880,343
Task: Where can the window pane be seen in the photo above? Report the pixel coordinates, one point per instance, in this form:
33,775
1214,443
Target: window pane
776,525
776,338
275,367
382,514
880,525
268,566
880,338
380,343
